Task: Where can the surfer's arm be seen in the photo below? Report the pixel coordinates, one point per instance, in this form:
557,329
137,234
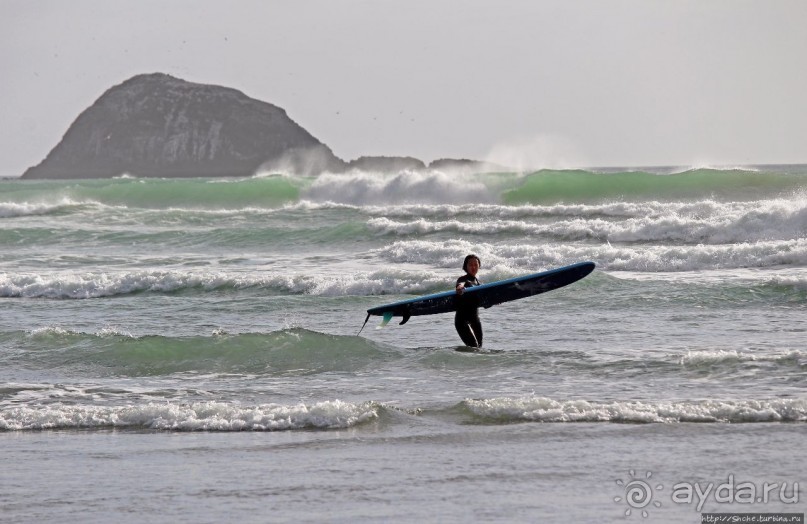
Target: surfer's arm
460,288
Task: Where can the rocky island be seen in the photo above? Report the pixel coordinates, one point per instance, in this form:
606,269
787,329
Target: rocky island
157,125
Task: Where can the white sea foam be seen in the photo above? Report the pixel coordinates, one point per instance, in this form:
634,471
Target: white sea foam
85,285
541,409
112,331
702,222
518,257
201,416
615,209
798,282
717,167
103,284
15,209
719,356
48,330
716,356
487,210
422,226
421,257
416,266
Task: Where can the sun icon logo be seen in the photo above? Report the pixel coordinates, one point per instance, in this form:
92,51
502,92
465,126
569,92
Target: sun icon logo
638,493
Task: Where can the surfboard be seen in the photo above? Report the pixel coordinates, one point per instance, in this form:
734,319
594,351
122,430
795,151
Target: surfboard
485,295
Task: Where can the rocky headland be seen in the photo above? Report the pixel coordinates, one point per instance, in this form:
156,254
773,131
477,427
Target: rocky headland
157,125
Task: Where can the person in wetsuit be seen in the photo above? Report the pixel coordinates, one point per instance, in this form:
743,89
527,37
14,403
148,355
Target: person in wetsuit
466,321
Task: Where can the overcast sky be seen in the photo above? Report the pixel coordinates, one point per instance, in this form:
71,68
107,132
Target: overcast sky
542,83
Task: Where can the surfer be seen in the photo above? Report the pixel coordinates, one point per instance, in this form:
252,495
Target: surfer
466,321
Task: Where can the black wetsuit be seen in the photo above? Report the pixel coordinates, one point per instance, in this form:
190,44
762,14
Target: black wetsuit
467,318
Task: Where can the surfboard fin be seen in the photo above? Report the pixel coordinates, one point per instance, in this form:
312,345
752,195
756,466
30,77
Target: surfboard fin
387,318
405,320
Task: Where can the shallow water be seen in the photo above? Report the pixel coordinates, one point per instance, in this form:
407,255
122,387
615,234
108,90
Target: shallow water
202,335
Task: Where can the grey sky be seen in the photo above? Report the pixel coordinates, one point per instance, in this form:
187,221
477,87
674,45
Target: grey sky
544,83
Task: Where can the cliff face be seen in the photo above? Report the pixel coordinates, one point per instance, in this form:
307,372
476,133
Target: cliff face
158,125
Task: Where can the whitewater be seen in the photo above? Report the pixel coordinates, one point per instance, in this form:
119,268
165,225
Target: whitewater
187,349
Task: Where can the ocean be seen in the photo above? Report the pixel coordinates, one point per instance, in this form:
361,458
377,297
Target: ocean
187,350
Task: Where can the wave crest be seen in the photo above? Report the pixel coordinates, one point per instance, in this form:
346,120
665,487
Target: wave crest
201,416
507,260
93,284
585,186
112,351
541,409
707,222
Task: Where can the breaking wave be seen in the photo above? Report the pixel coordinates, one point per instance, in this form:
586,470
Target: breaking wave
708,222
541,409
432,187
337,414
516,257
98,284
200,416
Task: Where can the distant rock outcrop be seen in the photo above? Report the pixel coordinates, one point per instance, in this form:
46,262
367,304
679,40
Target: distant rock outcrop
466,165
158,125
386,164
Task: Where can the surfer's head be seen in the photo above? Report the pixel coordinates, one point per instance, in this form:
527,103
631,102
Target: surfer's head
468,259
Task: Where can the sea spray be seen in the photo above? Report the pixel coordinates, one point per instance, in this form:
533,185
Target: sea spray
402,188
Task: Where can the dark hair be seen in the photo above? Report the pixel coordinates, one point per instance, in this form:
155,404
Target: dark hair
468,259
